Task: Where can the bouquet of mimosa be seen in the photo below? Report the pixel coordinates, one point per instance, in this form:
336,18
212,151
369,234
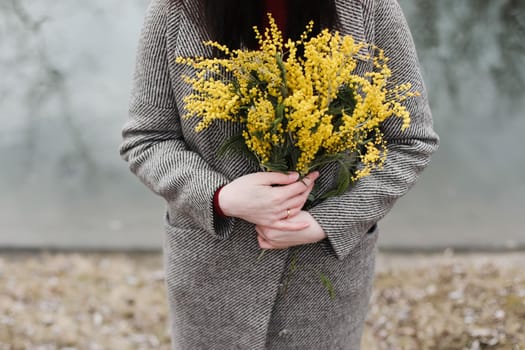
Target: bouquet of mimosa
300,103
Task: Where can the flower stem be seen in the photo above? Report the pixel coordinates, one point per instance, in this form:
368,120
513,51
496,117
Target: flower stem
261,254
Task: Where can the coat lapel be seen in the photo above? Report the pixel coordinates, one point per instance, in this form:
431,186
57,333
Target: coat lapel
352,22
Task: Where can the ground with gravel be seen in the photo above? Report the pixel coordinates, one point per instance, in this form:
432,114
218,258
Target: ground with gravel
117,301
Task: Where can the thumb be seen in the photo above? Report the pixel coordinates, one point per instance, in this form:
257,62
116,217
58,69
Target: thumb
275,178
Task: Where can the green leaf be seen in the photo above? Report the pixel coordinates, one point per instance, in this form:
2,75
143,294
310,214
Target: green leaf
327,284
293,262
279,111
313,197
345,101
277,167
232,145
261,254
326,159
282,68
237,145
343,182
236,86
292,267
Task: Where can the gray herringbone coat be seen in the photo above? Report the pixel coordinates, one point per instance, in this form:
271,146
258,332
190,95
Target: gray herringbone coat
220,296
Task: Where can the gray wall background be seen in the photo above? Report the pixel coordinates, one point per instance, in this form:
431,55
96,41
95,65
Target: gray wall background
65,76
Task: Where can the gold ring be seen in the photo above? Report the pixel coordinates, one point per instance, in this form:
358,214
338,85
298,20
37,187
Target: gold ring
287,214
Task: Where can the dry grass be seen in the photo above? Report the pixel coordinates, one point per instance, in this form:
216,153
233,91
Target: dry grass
447,302
72,301
117,301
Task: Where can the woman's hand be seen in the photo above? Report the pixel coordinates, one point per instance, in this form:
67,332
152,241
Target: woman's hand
270,238
254,198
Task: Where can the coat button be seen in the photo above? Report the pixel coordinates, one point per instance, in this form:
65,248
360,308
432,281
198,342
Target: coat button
284,333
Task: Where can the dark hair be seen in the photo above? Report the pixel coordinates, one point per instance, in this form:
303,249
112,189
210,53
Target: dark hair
231,21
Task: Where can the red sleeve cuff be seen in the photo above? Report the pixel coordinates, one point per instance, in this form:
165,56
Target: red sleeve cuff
216,206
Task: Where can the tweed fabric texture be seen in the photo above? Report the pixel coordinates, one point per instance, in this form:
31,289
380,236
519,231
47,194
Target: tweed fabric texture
220,296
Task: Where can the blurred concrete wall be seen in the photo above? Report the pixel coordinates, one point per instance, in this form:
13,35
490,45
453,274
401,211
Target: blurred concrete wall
65,76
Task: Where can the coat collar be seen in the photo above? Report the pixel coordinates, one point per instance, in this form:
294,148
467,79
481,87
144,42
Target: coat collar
188,30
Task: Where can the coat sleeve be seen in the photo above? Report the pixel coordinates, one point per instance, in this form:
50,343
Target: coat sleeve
153,143
346,218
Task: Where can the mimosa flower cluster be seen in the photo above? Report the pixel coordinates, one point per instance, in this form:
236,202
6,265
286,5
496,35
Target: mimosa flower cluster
301,103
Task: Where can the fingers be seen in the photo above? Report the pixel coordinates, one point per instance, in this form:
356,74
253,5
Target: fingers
296,203
275,178
298,187
298,230
284,225
285,208
254,199
265,243
288,197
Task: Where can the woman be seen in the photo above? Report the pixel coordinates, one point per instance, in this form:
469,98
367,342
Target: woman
221,212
